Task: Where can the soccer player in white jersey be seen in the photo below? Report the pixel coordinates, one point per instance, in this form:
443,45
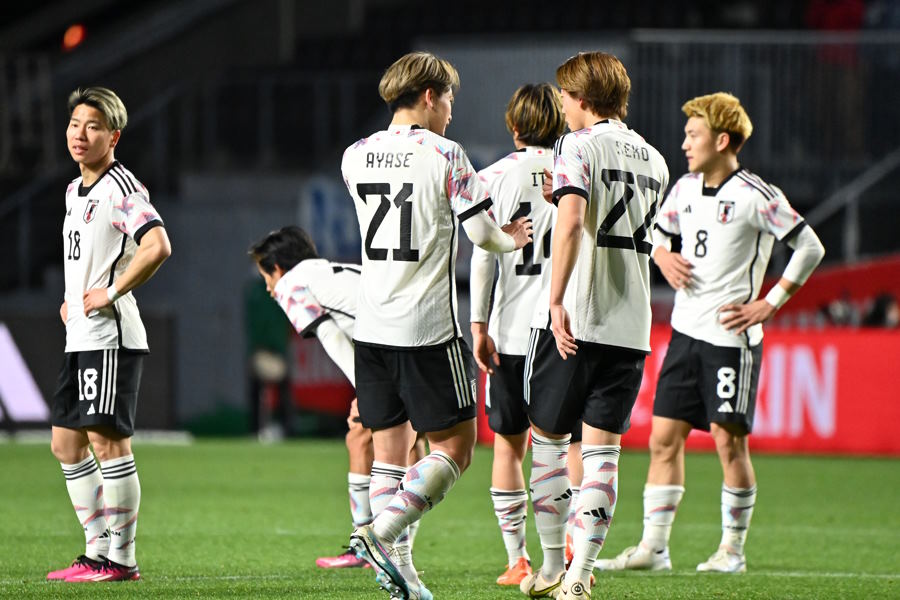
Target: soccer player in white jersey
319,298
608,182
500,341
728,219
113,241
412,188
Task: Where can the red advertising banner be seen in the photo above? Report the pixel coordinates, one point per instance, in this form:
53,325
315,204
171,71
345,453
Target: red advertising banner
820,391
317,384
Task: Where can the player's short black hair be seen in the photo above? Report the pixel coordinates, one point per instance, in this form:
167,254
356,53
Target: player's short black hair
284,248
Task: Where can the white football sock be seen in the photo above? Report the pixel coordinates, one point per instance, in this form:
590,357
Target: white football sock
573,502
737,510
660,504
596,505
424,486
511,508
358,490
122,499
85,486
550,496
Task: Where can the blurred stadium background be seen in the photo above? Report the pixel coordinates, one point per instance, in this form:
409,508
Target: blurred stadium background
239,112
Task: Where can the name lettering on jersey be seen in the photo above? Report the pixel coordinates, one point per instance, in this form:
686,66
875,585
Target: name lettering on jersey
537,178
90,210
632,151
726,211
379,160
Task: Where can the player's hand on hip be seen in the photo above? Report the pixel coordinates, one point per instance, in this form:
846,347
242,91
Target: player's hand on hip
521,230
547,186
64,312
562,331
737,318
95,300
674,268
485,352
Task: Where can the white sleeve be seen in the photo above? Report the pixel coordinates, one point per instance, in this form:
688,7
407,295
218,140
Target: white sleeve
482,230
338,346
808,253
660,240
481,279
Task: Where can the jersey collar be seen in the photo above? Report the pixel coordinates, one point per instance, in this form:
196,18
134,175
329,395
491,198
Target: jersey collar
403,128
84,191
712,191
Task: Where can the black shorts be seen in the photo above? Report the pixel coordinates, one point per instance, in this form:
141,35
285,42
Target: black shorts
505,398
701,383
432,387
599,385
98,388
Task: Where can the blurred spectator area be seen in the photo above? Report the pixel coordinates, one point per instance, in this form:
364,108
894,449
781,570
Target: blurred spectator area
284,86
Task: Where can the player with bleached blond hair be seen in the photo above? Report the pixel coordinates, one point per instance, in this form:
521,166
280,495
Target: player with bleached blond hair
608,182
728,219
412,188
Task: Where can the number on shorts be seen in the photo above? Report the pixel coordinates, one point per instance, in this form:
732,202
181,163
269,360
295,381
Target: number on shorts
725,388
87,384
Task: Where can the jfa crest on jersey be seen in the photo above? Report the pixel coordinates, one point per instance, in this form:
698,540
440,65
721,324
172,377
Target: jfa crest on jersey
726,211
622,178
316,289
727,235
104,224
91,210
411,189
515,184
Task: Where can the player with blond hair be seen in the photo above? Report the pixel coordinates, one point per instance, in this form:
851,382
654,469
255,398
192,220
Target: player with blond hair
728,219
412,188
607,181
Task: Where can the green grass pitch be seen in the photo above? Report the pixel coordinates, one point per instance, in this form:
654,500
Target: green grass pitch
233,519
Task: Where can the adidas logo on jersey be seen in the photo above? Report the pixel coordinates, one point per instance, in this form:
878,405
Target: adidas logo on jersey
726,407
91,409
687,209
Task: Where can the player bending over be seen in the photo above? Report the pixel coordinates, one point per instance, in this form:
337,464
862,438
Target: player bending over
319,299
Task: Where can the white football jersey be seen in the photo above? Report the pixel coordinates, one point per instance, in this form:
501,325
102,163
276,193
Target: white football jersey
727,235
104,224
515,183
623,179
317,289
411,188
